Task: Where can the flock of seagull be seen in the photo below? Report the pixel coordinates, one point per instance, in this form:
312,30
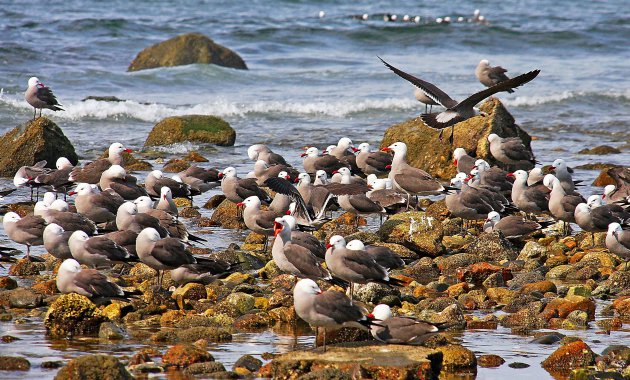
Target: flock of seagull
114,219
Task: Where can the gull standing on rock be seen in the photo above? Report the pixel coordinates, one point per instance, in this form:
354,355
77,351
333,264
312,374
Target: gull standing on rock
56,241
58,179
463,161
166,202
327,309
314,162
383,256
373,162
238,189
262,152
26,175
512,226
292,258
457,111
28,230
39,97
199,179
618,241
511,151
128,218
562,205
117,179
358,204
100,207
96,251
408,179
563,175
490,76
528,199
162,254
257,220
399,330
175,227
156,180
355,266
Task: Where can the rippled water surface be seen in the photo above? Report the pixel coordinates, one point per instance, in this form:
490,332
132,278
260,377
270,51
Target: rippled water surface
310,81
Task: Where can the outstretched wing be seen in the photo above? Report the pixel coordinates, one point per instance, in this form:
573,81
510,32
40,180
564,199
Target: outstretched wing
431,90
509,84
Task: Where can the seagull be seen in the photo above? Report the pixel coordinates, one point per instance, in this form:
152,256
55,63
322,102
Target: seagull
490,76
327,309
91,172
510,151
28,230
399,330
39,97
457,111
86,282
618,241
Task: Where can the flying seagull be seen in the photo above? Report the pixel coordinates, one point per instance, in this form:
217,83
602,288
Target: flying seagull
457,111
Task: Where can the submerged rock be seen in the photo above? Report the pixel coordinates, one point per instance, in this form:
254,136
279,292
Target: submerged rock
427,152
199,128
73,314
186,49
37,140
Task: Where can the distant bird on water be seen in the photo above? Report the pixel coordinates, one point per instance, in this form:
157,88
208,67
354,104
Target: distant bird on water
489,76
457,111
39,97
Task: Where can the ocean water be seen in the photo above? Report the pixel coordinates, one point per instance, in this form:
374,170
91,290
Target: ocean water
312,80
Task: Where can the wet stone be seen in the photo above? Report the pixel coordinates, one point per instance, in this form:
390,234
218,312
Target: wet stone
14,363
490,361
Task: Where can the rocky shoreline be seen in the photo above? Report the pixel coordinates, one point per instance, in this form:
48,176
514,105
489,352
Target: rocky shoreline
549,282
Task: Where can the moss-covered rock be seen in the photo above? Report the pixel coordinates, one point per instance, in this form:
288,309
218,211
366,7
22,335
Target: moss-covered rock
186,49
458,358
14,363
414,230
94,367
199,128
225,215
37,140
427,152
73,314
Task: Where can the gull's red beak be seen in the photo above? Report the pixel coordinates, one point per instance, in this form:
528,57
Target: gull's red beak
552,168
335,172
604,196
287,177
240,204
475,167
386,149
303,155
72,192
297,180
221,175
388,167
355,149
455,161
288,212
164,196
128,150
277,227
370,315
511,175
328,245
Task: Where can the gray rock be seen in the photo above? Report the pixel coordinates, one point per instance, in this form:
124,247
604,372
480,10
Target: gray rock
25,299
248,362
111,331
14,363
373,292
204,368
551,338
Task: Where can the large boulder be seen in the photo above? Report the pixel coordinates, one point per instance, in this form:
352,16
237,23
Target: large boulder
37,140
199,128
186,49
426,151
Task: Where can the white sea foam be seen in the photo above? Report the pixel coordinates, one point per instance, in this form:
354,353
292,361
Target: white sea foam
565,95
154,111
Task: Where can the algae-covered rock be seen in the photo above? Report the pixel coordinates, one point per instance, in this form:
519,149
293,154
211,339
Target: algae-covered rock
427,152
73,314
14,363
186,49
94,367
184,355
414,230
572,355
458,358
225,215
199,128
37,140
242,302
